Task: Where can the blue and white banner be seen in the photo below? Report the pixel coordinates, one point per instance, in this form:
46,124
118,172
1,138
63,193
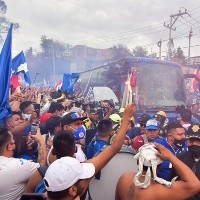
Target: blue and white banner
19,65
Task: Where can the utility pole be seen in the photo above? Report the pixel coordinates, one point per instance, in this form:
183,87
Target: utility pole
160,47
173,19
190,35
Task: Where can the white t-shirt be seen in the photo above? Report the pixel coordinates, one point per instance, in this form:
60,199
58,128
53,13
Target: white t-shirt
14,175
80,156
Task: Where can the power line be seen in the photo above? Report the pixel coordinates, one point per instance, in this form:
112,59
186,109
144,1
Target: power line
122,35
123,38
183,32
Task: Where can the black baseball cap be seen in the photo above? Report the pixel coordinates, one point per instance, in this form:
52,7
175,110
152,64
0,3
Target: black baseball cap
52,122
193,131
71,117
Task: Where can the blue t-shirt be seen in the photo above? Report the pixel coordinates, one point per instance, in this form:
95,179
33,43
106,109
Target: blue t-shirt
96,146
165,171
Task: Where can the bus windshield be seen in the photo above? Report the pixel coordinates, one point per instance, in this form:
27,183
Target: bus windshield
159,85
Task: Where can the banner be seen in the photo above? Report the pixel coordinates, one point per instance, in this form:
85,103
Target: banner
5,73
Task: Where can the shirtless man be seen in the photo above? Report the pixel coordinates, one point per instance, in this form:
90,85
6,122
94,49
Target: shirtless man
179,190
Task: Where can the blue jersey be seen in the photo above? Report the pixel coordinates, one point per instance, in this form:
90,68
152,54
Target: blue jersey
96,146
165,171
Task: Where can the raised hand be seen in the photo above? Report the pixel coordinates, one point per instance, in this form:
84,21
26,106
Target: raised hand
130,110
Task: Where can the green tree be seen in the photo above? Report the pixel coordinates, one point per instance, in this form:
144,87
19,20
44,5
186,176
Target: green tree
120,51
140,51
5,22
178,56
50,46
29,53
53,53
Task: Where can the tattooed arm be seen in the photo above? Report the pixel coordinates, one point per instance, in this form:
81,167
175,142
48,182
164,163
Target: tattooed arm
42,153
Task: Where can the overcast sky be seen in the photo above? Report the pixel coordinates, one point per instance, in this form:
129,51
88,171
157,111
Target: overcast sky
103,23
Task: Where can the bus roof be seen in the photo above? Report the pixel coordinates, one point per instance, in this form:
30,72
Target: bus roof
138,60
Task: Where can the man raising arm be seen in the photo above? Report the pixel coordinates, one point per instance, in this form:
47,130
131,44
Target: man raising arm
73,183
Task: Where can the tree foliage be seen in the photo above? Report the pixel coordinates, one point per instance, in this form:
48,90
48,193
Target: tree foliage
53,53
50,46
178,56
120,51
4,21
3,7
140,51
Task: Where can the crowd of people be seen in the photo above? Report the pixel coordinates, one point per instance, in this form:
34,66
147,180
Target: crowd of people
53,144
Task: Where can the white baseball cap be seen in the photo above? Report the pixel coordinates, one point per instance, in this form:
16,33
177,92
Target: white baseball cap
65,172
152,124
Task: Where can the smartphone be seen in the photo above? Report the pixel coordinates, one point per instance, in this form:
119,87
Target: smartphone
37,109
34,128
32,196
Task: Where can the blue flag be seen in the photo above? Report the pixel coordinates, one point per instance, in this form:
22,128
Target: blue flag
69,81
5,73
19,65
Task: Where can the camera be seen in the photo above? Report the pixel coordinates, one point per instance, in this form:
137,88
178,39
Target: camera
105,109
